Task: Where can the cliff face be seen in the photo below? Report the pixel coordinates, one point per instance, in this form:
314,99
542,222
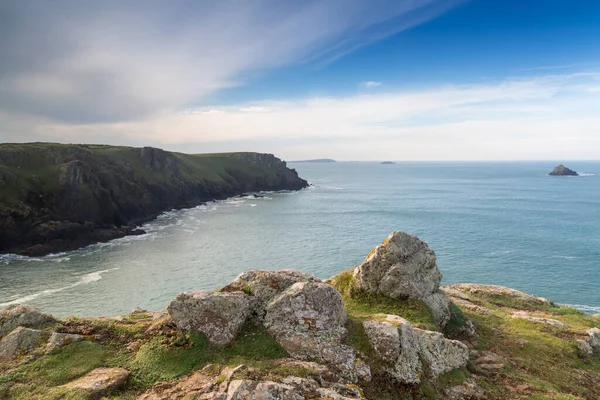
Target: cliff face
58,197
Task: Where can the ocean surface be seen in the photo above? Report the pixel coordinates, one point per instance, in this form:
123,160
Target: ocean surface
501,223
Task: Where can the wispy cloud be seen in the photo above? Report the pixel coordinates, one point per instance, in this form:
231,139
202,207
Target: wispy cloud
118,60
553,116
371,84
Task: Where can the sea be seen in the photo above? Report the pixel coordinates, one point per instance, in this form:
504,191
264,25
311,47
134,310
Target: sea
503,223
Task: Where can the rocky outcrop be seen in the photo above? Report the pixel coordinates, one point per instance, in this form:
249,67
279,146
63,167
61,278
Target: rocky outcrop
227,385
411,351
404,267
217,315
539,320
308,321
18,342
591,344
99,381
495,290
20,315
67,196
561,170
264,286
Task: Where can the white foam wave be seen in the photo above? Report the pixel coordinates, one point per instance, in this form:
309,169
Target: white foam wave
252,205
586,174
565,257
585,308
83,280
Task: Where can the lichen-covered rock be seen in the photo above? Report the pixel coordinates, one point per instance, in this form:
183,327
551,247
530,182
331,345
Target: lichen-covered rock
308,320
403,266
16,315
439,354
253,390
468,390
99,381
394,339
19,341
218,315
263,285
61,339
539,320
495,290
594,338
584,348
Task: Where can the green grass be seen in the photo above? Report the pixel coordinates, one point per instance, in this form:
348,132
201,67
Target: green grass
362,305
156,361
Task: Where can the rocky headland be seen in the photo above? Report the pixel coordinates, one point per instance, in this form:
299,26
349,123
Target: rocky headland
561,170
57,197
382,330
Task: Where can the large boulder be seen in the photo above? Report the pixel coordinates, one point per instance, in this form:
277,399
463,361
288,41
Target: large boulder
591,344
308,320
19,341
494,291
58,339
403,267
264,285
99,381
409,351
217,315
16,315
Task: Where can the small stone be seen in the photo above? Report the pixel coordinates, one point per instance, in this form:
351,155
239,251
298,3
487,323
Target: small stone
522,388
491,367
99,381
19,341
218,315
61,339
468,390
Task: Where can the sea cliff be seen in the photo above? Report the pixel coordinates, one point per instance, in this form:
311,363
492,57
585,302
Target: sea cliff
382,330
57,197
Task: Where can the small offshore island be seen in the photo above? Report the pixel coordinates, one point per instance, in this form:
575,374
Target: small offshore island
384,330
59,197
388,163
561,170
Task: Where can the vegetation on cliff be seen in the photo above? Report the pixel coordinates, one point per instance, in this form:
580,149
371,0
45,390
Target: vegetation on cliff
56,197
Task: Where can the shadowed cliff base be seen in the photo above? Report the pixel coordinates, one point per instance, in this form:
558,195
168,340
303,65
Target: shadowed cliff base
58,197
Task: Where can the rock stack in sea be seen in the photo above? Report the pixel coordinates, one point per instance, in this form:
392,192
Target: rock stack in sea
561,170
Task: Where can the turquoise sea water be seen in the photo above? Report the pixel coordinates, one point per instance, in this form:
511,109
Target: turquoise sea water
501,223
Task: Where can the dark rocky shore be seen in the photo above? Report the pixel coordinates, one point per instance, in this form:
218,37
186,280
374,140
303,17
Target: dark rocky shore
56,197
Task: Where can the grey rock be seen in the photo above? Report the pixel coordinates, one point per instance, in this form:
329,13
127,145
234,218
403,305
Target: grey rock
584,348
265,390
264,285
561,170
594,338
590,345
61,339
539,320
99,381
495,290
18,342
16,315
468,390
218,315
394,339
308,320
403,267
439,354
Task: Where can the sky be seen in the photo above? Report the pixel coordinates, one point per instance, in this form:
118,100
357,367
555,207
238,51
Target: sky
342,79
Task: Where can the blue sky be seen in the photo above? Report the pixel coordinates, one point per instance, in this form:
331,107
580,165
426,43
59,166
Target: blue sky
354,79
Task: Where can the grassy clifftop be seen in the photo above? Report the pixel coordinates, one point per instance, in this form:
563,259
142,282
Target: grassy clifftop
55,197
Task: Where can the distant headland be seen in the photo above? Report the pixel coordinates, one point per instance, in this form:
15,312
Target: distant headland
388,163
561,170
316,160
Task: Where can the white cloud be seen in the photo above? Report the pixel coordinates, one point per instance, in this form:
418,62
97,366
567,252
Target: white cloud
115,61
371,84
547,117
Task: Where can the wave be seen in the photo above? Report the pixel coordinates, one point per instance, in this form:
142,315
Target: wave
83,280
565,257
586,174
585,308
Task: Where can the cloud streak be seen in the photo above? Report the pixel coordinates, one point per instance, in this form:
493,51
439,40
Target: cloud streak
115,61
546,117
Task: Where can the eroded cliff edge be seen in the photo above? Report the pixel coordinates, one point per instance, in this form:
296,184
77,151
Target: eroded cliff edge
56,197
